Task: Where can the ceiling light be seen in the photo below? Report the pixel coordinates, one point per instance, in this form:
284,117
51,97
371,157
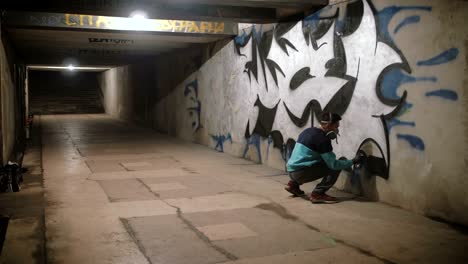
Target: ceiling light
71,67
138,15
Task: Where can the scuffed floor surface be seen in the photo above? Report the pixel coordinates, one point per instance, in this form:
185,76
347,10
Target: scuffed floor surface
117,193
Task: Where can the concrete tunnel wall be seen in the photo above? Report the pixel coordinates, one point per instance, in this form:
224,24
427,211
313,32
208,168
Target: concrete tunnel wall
8,102
128,92
404,60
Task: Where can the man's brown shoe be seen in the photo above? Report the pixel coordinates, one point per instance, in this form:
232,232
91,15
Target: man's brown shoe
294,189
322,198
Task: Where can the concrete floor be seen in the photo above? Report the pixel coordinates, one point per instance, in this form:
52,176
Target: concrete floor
117,193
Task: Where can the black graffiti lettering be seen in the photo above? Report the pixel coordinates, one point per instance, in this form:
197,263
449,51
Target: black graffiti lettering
265,123
346,19
300,77
110,41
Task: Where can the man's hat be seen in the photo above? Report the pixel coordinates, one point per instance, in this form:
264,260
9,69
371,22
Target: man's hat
329,118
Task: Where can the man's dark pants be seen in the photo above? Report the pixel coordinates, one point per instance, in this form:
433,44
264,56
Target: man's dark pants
315,172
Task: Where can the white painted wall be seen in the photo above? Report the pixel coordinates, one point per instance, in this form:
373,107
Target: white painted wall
117,96
430,180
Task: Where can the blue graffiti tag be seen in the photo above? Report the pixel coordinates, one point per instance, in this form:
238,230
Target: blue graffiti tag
394,78
220,139
385,15
444,57
444,93
413,140
407,21
312,20
241,39
254,140
396,122
405,109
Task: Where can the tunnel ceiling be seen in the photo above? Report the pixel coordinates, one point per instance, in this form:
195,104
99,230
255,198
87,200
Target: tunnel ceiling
246,11
39,46
99,32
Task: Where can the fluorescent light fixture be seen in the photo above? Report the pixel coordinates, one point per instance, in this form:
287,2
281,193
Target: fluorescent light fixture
138,21
67,68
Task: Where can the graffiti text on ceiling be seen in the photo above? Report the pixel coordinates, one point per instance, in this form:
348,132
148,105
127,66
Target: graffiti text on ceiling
83,21
111,41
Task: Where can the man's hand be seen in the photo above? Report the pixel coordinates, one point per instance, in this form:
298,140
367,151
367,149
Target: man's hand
359,158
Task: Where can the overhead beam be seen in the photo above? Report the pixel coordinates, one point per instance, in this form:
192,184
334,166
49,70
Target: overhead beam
131,4
169,11
64,59
244,11
250,3
92,22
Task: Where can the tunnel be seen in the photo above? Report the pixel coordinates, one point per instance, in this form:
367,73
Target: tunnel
247,131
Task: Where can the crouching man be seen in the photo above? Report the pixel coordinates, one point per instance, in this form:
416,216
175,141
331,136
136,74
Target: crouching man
313,158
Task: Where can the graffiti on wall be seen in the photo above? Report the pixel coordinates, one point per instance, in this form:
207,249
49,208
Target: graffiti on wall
220,140
193,104
254,141
394,79
343,63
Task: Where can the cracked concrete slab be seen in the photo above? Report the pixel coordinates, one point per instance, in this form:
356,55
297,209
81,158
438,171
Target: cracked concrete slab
186,187
172,172
262,170
226,231
335,255
126,190
274,234
172,241
226,203
169,186
97,166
